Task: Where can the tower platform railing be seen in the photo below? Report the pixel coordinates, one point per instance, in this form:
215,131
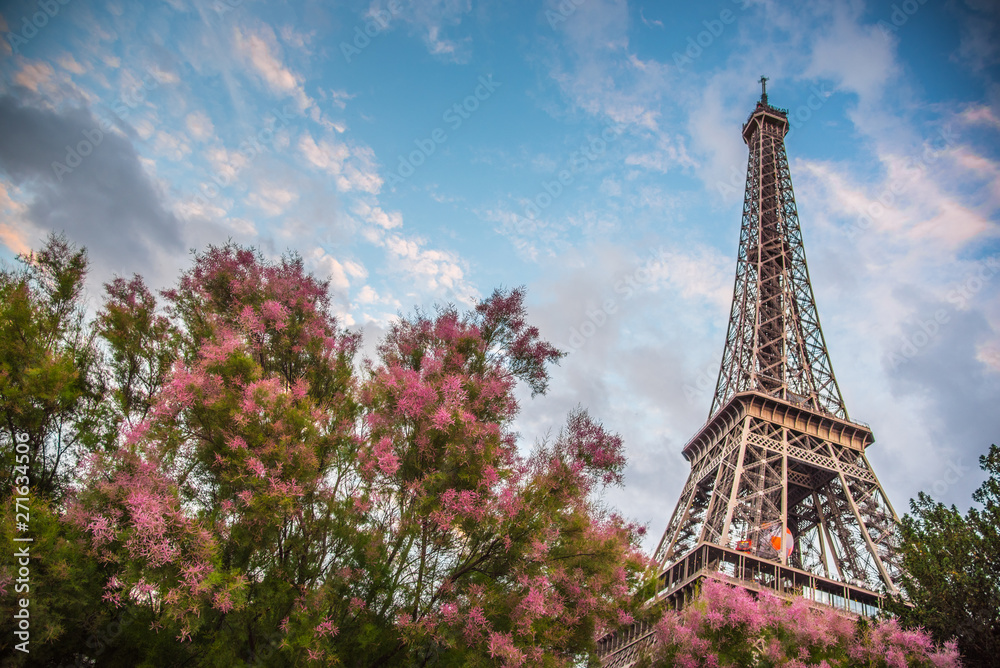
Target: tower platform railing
677,583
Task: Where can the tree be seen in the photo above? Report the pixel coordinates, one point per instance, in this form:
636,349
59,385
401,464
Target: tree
952,569
140,346
729,626
49,388
268,500
51,396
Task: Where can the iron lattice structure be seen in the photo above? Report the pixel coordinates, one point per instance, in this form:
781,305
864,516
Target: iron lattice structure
781,496
774,344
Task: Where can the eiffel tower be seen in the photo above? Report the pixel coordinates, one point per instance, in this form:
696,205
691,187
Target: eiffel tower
781,496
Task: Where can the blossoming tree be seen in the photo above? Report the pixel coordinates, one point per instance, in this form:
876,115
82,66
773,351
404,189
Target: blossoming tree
272,501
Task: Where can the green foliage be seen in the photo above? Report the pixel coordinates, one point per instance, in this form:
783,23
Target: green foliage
49,388
51,400
952,569
63,586
140,347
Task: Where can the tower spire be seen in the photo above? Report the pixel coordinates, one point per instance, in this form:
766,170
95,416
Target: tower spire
763,90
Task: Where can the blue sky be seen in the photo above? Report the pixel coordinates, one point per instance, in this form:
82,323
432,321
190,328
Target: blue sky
428,152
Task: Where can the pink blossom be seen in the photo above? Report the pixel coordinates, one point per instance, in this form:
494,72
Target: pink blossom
475,623
533,603
449,612
223,601
501,645
256,467
102,529
441,419
362,505
792,632
273,311
326,628
388,461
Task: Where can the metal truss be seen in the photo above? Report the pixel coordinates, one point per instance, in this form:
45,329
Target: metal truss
765,469
774,343
781,495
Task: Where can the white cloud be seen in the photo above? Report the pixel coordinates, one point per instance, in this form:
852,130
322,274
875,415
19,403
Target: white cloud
327,155
68,63
170,145
377,216
145,128
361,172
439,46
989,354
34,75
164,76
857,57
598,73
529,236
667,153
261,51
354,166
367,295
440,273
199,208
699,273
339,273
199,125
272,200
226,163
339,99
980,114
915,202
431,20
713,126
978,46
611,187
241,226
649,22
296,38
